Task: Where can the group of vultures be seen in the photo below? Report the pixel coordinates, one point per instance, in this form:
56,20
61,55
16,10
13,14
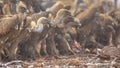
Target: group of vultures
31,29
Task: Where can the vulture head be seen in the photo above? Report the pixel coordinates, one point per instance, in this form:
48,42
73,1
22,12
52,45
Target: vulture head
64,18
115,14
40,25
105,19
21,7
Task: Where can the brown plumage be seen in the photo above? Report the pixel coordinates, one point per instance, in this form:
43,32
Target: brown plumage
31,48
51,45
21,7
106,6
66,2
8,23
30,20
89,14
115,14
98,33
87,20
56,7
9,44
6,8
63,17
1,12
105,31
36,16
88,2
33,6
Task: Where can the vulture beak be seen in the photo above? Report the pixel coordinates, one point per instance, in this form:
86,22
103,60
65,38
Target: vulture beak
76,24
46,22
43,21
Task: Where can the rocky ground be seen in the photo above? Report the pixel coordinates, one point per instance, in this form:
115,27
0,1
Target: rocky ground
79,61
